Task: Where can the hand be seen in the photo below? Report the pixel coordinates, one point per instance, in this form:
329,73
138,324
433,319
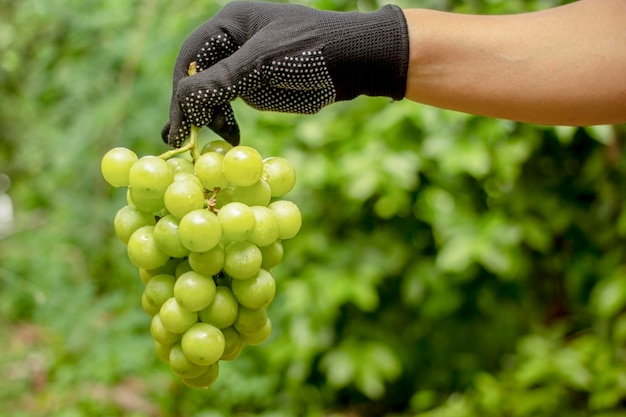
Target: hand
287,58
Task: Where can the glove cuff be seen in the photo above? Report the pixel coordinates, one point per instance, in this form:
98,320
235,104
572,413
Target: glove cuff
372,55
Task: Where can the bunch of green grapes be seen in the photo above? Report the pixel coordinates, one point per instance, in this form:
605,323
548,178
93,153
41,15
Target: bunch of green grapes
204,233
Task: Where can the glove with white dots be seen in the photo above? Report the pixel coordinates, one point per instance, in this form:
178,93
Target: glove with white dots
287,58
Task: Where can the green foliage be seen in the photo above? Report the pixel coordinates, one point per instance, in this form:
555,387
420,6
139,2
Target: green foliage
448,265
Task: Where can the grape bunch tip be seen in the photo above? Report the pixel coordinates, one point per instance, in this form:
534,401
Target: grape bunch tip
204,233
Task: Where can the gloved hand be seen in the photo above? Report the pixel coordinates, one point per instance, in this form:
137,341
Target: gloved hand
287,58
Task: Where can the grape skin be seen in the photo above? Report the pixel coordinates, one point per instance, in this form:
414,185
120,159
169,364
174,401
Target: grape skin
180,363
143,251
222,312
259,336
208,169
219,146
183,196
207,263
255,292
242,166
232,344
160,334
175,318
257,194
150,174
280,175
194,291
288,217
266,230
128,219
242,260
200,230
166,237
203,344
116,164
206,379
159,288
250,321
237,220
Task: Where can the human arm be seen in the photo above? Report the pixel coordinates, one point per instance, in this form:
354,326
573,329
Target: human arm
561,66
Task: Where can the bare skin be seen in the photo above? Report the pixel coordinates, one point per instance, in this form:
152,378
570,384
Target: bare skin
562,66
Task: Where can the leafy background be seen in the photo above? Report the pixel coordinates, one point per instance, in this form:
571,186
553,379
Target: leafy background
449,265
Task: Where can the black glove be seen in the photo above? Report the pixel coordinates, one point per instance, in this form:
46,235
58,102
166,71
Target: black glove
284,57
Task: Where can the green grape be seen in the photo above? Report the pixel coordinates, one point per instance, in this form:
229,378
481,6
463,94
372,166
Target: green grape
222,312
258,337
162,351
169,268
200,230
272,255
232,344
150,175
182,267
224,196
159,289
175,318
115,166
145,275
166,237
183,196
128,219
220,146
203,344
266,229
257,194
179,165
206,379
150,309
237,220
143,251
182,366
255,292
250,321
242,260
242,166
288,216
188,176
208,169
194,291
145,201
280,175
208,263
160,333
225,242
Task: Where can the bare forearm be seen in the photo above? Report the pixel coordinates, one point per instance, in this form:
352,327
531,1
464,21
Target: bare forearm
564,66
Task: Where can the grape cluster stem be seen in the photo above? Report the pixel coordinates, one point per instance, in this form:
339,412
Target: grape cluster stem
212,201
192,145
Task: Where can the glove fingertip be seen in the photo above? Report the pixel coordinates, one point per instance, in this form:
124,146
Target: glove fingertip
231,134
165,133
224,124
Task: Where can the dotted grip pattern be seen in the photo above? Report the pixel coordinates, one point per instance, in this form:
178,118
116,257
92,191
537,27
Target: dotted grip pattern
286,58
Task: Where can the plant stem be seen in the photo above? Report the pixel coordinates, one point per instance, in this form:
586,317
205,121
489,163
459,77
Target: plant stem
192,145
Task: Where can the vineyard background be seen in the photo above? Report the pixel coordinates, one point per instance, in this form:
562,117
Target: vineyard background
448,265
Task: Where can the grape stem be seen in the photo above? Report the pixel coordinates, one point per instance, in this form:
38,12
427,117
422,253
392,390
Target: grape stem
212,201
192,145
